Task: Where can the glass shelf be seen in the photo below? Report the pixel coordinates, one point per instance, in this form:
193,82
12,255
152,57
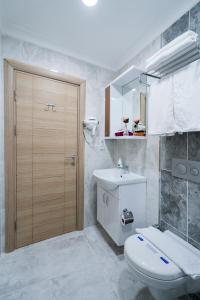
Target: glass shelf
126,138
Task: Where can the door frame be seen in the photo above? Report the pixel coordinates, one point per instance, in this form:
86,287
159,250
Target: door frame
10,66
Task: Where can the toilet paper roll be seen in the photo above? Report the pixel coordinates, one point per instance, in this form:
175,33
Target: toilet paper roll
127,217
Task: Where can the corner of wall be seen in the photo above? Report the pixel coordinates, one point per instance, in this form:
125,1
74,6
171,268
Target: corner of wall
1,149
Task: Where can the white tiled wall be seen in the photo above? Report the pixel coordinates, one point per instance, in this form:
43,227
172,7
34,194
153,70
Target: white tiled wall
1,148
143,156
97,78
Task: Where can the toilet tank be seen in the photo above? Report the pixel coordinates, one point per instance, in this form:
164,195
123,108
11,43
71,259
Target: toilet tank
110,206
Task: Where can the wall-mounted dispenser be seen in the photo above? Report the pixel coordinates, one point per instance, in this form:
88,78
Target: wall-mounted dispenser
91,125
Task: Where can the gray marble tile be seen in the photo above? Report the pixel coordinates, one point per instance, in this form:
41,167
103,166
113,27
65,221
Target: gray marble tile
174,201
39,291
193,243
194,146
87,284
194,297
127,287
115,268
176,29
79,265
65,256
172,147
189,297
23,267
194,211
164,226
101,242
195,18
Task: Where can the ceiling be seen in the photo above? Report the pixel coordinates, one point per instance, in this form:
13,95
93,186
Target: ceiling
108,35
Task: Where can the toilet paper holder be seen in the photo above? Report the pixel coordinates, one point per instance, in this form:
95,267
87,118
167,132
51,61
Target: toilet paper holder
126,217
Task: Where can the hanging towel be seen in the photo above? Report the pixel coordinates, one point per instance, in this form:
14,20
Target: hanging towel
184,255
160,107
187,98
179,46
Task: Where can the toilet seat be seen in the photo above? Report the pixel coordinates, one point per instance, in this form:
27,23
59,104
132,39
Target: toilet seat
145,258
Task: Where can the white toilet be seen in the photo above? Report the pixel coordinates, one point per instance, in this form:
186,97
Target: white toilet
153,268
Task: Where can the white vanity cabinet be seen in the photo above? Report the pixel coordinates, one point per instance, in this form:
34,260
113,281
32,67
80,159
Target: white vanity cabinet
110,205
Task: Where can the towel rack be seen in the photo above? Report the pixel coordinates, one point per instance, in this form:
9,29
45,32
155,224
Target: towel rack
177,63
178,59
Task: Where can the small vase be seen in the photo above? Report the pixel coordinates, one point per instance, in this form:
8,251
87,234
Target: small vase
125,133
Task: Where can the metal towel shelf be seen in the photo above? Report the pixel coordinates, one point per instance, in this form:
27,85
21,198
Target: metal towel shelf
177,62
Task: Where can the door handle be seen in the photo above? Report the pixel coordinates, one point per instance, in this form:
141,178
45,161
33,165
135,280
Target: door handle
71,160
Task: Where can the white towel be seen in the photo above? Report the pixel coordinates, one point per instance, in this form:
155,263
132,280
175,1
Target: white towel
170,45
160,107
184,255
186,96
174,49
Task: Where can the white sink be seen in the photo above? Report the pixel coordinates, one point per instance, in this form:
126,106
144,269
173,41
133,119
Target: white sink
112,178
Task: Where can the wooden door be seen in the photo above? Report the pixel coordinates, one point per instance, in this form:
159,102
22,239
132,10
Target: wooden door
46,169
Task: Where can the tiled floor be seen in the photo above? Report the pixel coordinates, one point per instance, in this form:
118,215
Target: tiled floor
82,265
77,266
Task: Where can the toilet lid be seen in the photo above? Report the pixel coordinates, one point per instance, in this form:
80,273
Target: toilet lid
145,257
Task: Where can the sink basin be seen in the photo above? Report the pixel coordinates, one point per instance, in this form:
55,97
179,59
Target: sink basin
112,178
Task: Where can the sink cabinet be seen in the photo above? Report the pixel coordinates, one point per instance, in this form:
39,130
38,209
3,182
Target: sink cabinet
110,205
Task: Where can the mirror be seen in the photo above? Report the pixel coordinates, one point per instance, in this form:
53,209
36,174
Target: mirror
128,107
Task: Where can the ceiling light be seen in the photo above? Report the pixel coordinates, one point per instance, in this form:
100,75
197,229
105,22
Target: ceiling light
90,2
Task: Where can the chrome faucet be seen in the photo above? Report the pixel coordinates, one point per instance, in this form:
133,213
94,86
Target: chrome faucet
123,167
120,164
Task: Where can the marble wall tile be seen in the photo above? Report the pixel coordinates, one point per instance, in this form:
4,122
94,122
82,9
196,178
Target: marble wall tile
164,226
142,157
195,18
172,147
194,146
174,207
140,59
179,27
1,149
194,296
96,80
174,201
194,243
194,211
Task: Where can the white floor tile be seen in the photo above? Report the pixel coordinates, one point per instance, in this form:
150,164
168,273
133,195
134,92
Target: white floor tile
82,265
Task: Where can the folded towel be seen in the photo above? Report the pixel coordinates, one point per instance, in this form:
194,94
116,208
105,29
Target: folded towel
186,96
184,255
173,43
160,107
182,44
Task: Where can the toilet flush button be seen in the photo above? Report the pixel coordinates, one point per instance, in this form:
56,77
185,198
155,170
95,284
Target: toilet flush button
194,171
181,169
